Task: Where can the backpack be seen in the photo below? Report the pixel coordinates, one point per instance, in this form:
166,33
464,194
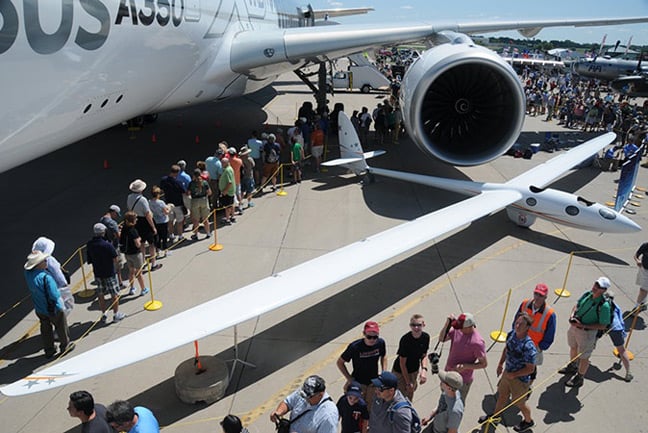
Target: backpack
272,156
415,424
613,307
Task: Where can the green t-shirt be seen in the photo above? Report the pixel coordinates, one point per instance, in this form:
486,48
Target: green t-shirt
227,177
589,311
296,151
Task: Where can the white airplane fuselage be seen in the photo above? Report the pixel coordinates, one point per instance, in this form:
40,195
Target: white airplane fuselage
605,69
66,73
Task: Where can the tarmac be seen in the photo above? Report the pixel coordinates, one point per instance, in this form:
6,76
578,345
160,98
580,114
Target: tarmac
62,194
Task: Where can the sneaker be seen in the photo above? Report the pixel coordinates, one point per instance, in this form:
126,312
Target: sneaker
628,377
225,221
131,292
524,426
642,307
125,284
49,354
194,237
250,204
570,368
156,266
232,220
575,381
118,316
67,349
104,318
144,291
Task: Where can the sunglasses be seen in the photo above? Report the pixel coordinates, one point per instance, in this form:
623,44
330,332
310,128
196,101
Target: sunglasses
416,325
371,337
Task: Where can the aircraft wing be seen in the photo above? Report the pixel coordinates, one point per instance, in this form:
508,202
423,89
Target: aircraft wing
253,51
262,296
543,174
339,12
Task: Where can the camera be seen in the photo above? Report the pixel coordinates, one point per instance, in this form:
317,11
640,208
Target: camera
434,362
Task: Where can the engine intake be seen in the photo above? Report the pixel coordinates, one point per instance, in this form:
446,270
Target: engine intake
463,104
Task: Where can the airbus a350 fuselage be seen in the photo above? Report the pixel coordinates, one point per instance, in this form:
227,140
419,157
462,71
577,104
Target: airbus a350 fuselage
71,68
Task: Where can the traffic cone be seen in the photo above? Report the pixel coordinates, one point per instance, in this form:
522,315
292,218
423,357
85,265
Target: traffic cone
106,165
153,138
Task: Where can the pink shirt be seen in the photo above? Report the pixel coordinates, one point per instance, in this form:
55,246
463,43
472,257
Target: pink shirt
465,349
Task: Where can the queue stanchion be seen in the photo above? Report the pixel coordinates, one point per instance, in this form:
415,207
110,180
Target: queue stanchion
563,292
215,246
281,191
499,336
151,305
86,292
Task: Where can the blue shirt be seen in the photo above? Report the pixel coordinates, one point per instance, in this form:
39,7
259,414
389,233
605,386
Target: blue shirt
38,281
146,422
214,167
617,321
519,353
321,418
184,179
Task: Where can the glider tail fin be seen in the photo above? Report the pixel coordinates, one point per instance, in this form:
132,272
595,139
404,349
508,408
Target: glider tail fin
628,179
352,156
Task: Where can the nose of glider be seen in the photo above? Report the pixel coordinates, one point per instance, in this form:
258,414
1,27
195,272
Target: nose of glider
623,224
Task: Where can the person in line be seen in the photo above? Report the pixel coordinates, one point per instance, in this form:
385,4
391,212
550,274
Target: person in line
131,244
247,175
368,355
55,269
160,212
232,424
353,411
385,417
103,258
48,304
227,186
174,193
618,334
123,417
311,408
410,366
449,411
515,367
641,259
591,314
92,415
145,225
467,349
543,329
200,192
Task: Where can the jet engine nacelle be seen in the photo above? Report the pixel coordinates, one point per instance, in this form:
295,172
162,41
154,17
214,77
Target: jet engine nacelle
462,103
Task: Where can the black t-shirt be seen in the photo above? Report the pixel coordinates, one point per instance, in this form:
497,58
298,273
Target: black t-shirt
643,251
98,424
351,416
414,349
127,240
173,190
365,359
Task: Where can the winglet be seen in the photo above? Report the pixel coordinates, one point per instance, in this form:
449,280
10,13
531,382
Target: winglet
351,154
628,179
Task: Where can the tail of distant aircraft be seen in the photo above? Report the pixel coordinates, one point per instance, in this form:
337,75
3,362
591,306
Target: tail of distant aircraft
628,179
351,154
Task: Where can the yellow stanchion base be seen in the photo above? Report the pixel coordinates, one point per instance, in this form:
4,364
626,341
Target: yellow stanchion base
215,247
635,203
640,188
609,203
281,193
638,196
153,305
563,293
86,293
498,336
630,354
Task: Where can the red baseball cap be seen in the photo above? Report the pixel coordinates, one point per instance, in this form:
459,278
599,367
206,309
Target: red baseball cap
371,327
541,289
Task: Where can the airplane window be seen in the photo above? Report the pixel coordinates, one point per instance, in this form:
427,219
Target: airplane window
607,213
535,189
119,99
572,210
87,108
103,104
531,201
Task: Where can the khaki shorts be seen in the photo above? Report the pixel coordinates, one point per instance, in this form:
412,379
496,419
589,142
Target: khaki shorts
583,340
317,151
513,387
135,261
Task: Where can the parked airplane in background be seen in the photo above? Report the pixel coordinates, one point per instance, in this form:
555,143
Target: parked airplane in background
287,286
71,68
